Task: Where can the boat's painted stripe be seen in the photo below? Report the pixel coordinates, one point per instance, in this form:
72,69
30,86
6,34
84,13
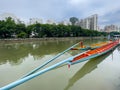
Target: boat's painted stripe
113,45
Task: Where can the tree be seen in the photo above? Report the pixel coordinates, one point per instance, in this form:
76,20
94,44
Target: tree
7,28
73,20
20,29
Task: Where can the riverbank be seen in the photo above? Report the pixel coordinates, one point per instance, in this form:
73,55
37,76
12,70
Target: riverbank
48,39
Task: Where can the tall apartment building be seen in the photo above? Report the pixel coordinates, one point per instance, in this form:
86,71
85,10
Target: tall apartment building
111,28
90,22
94,20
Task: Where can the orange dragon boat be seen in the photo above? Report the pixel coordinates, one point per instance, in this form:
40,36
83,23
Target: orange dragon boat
94,53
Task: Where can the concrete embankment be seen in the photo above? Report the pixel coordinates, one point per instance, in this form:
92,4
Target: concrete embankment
48,39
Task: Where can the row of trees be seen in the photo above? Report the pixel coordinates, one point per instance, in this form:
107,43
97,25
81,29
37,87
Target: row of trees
9,29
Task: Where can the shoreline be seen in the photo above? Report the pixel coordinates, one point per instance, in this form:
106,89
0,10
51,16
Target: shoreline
48,39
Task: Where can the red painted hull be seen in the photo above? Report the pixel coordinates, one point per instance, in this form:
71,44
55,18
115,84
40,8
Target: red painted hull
99,50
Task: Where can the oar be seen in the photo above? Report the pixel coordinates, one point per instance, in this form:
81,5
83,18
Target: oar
25,79
36,69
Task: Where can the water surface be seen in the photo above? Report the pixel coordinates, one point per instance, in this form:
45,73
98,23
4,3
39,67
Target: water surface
17,59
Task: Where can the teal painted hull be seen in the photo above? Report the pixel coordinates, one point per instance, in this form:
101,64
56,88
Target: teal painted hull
92,56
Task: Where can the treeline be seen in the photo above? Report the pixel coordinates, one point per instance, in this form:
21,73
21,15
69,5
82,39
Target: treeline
9,29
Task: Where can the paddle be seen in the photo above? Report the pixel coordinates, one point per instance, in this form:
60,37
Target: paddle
25,79
45,63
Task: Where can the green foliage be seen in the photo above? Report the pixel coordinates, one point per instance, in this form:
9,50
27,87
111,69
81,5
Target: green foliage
9,29
20,30
114,33
73,20
21,35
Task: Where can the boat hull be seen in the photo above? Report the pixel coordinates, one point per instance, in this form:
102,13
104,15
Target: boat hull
88,57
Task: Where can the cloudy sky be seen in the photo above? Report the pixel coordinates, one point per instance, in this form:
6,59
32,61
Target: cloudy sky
58,10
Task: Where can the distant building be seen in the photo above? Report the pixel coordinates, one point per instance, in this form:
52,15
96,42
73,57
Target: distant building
65,22
85,23
50,21
94,22
35,20
90,22
119,29
111,28
6,15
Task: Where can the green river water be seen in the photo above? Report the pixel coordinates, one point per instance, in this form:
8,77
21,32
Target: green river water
18,58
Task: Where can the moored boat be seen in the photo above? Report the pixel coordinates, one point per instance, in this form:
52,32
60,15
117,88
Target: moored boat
93,46
94,53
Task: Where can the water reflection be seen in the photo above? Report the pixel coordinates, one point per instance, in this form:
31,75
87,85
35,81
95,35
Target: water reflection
87,68
15,53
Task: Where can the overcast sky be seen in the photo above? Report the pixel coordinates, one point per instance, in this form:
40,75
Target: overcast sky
58,10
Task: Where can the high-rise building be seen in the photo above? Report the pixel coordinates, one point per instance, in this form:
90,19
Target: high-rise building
111,28
94,20
90,22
